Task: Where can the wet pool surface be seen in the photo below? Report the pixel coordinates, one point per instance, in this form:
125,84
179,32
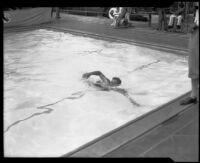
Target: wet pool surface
49,110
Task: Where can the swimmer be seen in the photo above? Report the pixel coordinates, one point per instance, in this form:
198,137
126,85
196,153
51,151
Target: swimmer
107,85
104,83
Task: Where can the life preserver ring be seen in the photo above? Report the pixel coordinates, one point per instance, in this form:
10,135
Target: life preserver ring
112,12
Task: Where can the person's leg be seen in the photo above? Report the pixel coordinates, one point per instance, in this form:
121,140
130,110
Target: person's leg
171,21
165,22
121,17
198,91
179,20
159,22
52,11
114,21
112,24
127,16
122,22
193,96
128,13
194,83
117,21
193,63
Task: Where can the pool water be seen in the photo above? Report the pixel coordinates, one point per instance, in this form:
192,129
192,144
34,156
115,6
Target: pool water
49,110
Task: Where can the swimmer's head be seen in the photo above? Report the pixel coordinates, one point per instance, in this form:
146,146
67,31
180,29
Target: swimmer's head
115,81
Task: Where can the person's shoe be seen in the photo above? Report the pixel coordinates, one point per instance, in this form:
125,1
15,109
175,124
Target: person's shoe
113,24
178,27
188,100
169,27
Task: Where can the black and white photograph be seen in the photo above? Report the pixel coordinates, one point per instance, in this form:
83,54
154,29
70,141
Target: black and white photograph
101,82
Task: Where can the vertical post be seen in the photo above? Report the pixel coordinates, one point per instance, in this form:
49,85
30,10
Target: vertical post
186,15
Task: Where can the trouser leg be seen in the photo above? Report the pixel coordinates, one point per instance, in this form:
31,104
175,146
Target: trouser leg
179,20
171,20
195,85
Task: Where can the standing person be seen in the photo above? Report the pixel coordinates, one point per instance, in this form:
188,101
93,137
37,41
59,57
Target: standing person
193,60
162,21
57,9
128,13
116,12
121,16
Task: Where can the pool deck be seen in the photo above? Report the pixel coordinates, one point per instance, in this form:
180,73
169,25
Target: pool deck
177,137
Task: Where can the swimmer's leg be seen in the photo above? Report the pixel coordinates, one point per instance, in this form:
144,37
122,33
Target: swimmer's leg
134,102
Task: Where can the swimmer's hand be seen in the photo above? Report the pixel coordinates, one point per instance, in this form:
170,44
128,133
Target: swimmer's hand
85,76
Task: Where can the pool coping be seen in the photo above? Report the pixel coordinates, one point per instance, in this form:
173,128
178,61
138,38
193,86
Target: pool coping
131,130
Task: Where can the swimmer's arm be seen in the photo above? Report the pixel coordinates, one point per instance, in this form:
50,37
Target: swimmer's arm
125,93
104,79
98,73
122,91
87,75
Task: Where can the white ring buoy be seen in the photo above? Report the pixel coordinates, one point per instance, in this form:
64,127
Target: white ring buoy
112,12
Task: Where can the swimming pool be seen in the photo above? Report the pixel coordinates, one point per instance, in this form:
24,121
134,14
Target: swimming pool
49,110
